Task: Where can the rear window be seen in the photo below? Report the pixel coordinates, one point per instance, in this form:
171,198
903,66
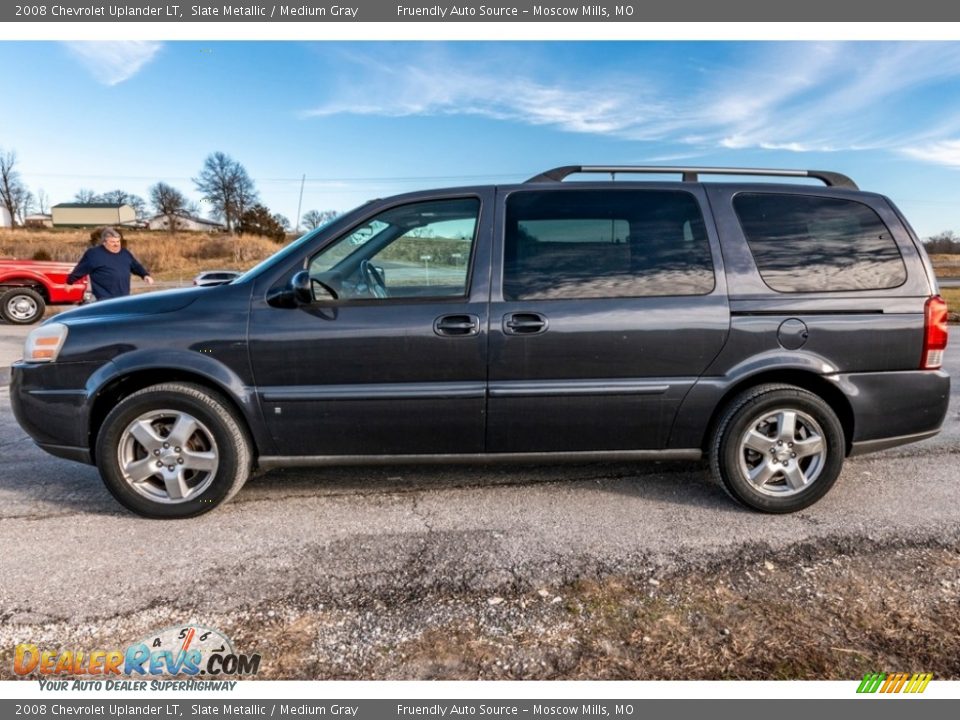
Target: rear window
605,244
805,243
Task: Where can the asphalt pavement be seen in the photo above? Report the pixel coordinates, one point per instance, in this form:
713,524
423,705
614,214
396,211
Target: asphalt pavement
71,554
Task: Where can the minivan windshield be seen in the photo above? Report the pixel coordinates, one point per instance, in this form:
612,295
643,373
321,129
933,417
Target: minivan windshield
293,248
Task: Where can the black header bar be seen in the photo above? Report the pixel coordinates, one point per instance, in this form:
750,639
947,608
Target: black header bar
190,707
323,11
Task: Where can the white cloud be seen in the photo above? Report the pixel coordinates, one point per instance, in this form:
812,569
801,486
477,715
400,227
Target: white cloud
797,97
434,83
860,99
517,99
111,63
740,142
945,152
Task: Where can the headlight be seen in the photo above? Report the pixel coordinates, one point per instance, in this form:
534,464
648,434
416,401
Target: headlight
44,343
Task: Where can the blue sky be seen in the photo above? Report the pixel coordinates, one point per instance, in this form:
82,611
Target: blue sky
368,119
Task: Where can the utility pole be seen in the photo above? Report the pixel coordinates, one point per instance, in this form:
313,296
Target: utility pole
300,204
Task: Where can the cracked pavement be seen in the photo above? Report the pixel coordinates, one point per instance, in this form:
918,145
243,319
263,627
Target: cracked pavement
72,555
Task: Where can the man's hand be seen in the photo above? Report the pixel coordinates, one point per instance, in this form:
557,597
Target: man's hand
148,280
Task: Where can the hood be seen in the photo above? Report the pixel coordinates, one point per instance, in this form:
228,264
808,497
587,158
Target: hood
150,303
37,266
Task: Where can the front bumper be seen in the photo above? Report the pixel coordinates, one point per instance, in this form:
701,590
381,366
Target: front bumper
52,405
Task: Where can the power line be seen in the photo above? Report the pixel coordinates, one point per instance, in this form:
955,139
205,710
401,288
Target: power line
409,178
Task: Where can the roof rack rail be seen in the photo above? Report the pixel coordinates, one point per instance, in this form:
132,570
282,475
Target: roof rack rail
690,174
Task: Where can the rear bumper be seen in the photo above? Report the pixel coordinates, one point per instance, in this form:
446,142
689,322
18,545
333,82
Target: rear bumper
894,408
869,446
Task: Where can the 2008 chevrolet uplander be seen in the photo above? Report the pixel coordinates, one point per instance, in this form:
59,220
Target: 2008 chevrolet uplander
774,328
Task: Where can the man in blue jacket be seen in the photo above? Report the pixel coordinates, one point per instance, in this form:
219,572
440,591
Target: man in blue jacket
109,266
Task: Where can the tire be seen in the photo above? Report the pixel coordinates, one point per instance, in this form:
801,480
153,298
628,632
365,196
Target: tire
173,450
761,463
22,306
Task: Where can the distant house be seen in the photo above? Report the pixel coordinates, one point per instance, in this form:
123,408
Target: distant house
5,218
189,223
92,214
38,220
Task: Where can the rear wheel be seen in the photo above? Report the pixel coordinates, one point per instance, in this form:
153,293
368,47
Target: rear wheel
778,448
22,306
173,450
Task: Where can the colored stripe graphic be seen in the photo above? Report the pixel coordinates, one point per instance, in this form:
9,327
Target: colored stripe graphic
871,681
895,683
919,682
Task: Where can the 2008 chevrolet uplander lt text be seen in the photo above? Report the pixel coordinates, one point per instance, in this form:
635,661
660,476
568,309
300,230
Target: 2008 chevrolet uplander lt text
772,327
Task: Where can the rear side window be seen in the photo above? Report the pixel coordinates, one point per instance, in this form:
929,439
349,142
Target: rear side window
605,244
805,243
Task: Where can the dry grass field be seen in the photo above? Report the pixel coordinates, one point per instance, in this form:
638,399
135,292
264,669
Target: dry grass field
947,266
167,256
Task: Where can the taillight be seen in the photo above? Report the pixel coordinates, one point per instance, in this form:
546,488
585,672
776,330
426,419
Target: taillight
934,333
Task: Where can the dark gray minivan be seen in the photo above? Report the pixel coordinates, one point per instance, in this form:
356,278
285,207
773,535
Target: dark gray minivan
774,328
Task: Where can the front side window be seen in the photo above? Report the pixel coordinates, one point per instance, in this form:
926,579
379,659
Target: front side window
417,250
605,244
808,243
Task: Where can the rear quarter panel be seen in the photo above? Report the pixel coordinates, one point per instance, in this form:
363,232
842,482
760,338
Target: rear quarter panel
847,333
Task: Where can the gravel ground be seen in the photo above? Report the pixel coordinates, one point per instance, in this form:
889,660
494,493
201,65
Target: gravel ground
533,572
830,610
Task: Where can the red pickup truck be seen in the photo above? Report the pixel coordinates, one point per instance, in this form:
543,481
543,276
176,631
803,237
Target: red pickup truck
28,286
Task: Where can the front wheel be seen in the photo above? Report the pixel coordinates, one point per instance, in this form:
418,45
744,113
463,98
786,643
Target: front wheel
778,448
173,450
22,306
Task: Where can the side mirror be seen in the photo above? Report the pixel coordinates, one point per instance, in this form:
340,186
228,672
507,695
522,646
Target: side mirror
301,288
300,291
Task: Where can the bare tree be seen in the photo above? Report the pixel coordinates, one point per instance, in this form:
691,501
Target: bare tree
25,204
313,219
13,193
139,206
946,242
85,195
170,202
225,184
121,197
43,202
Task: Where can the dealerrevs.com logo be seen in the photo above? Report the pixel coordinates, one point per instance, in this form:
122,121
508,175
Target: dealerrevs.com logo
193,651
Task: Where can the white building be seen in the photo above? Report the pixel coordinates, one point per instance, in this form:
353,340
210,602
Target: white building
188,223
38,220
5,218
